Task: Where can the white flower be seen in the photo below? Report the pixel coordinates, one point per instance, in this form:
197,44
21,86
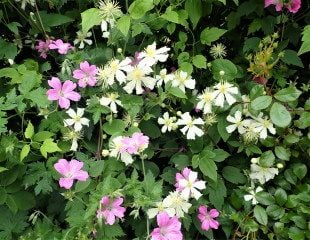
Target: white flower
190,185
237,123
104,29
190,128
206,100
111,101
25,2
224,91
163,77
117,151
252,195
167,122
177,205
74,137
251,132
151,55
137,77
76,119
182,81
263,124
218,51
81,38
262,174
160,207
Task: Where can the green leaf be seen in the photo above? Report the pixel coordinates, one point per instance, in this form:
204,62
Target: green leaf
265,198
275,211
304,120
199,61
194,10
123,24
49,146
261,102
267,159
41,136
175,91
260,215
280,196
29,131
233,174
221,127
279,115
291,57
116,126
282,153
209,35
225,65
305,47
288,94
2,169
90,18
208,167
24,152
300,170
139,8
171,16
53,19
220,155
23,200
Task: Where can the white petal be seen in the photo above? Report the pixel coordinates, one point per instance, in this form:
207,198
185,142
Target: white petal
77,127
68,122
71,113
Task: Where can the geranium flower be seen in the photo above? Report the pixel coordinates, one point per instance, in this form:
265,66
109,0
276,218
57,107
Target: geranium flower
43,47
136,143
207,218
62,47
86,74
188,183
118,150
190,130
111,210
70,170
293,5
224,91
168,228
76,119
62,93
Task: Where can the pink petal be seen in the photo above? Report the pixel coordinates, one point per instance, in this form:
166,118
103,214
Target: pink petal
110,218
68,86
73,96
203,210
105,201
62,166
162,219
55,83
81,175
64,102
78,74
214,224
84,66
119,211
117,202
213,213
205,225
52,94
66,183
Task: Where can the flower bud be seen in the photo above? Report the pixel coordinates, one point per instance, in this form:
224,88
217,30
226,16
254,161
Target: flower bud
179,113
105,152
163,105
280,165
104,136
254,160
119,50
222,73
135,124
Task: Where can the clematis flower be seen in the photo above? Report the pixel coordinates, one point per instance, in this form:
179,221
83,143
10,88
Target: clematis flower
264,124
151,55
86,74
160,207
167,122
176,205
224,91
206,100
190,129
70,170
168,228
111,101
82,38
118,150
76,119
137,76
111,210
207,218
163,77
262,174
43,47
188,183
252,195
182,81
237,123
62,93
62,47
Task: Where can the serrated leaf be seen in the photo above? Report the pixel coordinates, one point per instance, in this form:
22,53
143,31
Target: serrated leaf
279,115
260,215
291,57
90,18
208,167
233,174
199,61
116,126
49,146
123,24
29,131
24,152
175,91
195,11
280,196
288,94
139,8
209,35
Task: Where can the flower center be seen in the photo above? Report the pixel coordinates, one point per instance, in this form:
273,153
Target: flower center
150,52
137,74
223,88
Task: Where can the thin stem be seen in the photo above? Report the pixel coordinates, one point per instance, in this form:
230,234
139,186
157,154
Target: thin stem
147,219
40,21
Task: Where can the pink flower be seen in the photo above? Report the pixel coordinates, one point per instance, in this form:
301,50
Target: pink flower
188,183
138,142
168,228
86,74
63,93
62,47
110,210
293,5
43,47
70,170
207,218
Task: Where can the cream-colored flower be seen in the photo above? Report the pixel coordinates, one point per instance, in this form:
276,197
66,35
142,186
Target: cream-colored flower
182,80
224,92
206,101
111,101
190,129
175,204
76,119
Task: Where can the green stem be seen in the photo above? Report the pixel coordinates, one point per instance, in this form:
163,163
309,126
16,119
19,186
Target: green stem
147,219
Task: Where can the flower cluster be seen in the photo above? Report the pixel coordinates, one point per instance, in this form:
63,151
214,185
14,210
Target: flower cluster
44,46
292,5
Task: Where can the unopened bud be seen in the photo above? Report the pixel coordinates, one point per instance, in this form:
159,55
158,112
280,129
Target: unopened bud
179,113
135,124
119,50
280,165
163,105
104,136
222,73
254,160
105,152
